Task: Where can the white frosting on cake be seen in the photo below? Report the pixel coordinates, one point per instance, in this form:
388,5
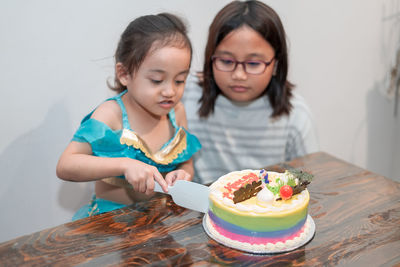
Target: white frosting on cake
217,189
265,197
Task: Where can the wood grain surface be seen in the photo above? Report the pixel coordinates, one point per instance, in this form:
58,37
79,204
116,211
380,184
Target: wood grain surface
356,213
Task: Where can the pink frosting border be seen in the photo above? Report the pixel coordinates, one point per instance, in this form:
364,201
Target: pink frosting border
255,240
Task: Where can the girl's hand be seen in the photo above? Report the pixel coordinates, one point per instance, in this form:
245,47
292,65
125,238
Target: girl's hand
175,175
143,176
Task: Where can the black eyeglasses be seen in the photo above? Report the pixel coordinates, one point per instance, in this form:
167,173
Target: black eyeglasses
249,66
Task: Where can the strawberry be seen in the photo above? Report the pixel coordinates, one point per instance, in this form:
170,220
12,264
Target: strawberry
286,192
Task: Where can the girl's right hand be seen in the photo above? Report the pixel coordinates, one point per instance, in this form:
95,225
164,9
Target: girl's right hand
143,176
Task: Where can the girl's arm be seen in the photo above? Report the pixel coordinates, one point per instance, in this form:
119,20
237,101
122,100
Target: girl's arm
180,115
78,164
185,171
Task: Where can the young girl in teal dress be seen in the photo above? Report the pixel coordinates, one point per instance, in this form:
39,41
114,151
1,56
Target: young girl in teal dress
138,137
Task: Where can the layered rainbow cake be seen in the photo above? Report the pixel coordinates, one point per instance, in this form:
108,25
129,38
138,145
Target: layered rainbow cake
258,210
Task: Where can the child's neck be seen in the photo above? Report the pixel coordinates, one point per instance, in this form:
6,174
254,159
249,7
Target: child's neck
140,119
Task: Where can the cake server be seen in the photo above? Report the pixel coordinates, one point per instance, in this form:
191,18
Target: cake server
187,194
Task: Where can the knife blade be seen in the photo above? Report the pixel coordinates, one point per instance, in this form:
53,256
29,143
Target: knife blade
187,194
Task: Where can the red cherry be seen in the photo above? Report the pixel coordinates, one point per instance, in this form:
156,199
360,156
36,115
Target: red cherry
286,192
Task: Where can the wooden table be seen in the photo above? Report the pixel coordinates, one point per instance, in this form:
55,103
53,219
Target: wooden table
356,212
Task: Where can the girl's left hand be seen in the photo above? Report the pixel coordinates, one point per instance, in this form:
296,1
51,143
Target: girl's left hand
175,175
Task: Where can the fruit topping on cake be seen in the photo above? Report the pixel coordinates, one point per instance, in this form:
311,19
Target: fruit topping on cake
268,188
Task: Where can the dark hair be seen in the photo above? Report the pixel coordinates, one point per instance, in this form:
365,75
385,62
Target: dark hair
141,34
266,22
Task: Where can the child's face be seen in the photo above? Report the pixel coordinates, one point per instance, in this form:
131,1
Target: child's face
157,86
243,44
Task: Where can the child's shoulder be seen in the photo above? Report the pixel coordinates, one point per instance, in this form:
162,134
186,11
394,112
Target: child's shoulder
180,114
298,102
109,113
300,109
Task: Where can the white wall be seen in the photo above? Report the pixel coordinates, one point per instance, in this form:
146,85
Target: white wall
55,57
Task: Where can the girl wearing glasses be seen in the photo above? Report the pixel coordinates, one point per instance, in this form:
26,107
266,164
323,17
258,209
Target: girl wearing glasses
242,107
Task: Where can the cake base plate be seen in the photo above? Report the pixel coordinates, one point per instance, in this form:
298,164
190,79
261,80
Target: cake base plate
304,241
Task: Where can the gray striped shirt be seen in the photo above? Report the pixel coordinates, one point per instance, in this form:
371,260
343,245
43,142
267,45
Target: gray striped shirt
241,136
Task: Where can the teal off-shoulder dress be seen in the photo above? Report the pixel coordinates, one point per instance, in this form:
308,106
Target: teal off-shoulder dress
106,142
